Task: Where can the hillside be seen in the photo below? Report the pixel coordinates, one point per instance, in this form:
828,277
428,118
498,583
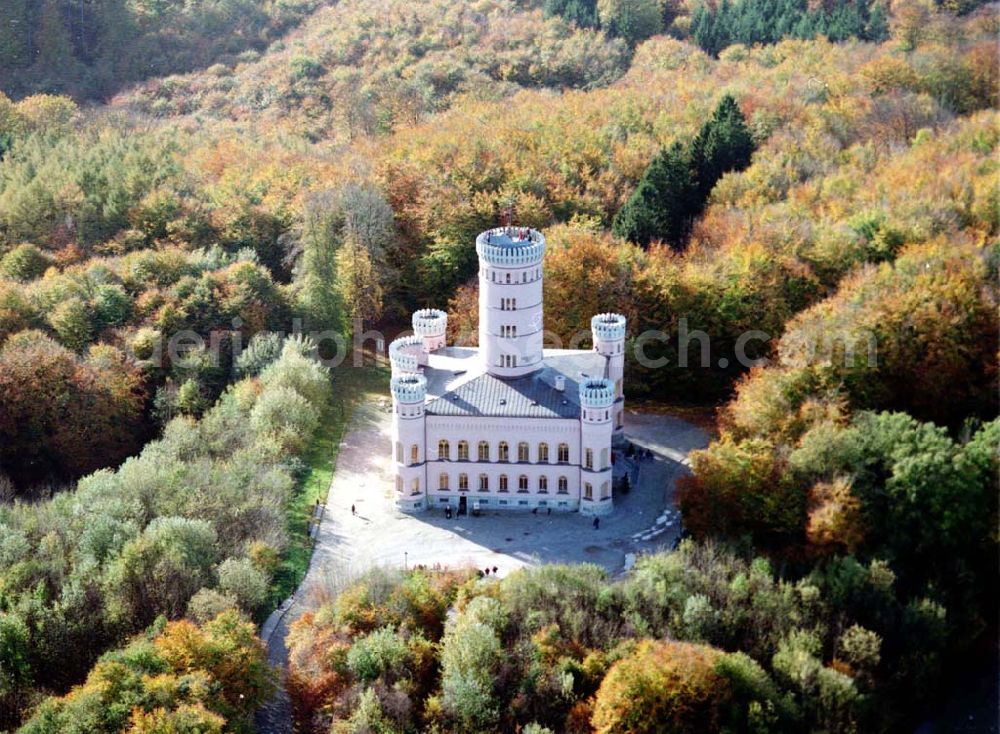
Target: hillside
91,49
361,68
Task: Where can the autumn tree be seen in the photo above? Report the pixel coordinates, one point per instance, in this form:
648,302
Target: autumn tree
63,415
178,678
662,686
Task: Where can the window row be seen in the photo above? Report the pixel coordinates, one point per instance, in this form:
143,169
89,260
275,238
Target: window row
483,452
508,331
503,483
503,453
508,304
508,279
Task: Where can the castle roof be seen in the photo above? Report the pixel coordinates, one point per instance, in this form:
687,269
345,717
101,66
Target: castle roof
461,393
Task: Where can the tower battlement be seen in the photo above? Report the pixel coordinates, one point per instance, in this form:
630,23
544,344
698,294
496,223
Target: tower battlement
511,247
403,353
597,393
409,388
431,326
430,322
608,327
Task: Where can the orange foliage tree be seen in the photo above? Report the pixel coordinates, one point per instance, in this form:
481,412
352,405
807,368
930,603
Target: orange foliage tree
662,686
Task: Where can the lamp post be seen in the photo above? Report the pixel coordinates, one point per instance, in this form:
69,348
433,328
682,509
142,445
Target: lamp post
406,560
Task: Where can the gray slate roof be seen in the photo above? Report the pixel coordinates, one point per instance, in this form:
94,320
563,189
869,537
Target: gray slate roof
530,396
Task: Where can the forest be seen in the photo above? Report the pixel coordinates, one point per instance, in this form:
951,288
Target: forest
187,190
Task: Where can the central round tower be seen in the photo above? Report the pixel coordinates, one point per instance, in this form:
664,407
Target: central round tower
510,300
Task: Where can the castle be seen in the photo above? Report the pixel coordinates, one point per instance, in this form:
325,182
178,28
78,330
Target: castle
507,425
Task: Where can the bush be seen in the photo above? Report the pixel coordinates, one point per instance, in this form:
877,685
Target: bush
263,349
207,604
286,415
25,262
382,654
239,578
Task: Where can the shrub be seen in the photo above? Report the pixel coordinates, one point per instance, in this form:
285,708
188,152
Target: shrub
382,654
25,262
286,415
207,604
241,579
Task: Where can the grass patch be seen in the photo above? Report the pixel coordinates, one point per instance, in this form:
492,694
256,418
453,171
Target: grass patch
351,385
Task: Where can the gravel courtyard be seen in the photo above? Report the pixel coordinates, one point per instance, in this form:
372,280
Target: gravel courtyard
378,535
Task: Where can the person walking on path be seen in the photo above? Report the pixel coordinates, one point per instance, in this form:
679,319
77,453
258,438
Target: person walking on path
353,511
597,523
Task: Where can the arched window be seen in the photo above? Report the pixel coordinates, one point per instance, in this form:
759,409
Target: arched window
415,486
484,451
443,481
522,483
588,491
503,452
563,457
508,277
484,483
588,458
543,485
523,451
399,452
444,450
503,483
604,458
563,485
399,484
463,482
543,453
414,454
463,450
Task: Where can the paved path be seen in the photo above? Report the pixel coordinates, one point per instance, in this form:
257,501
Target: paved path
378,535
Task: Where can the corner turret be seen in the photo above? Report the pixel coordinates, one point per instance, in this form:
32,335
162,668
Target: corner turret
409,391
608,331
431,325
597,396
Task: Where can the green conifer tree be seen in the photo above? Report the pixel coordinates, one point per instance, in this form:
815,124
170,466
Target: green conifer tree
877,29
663,204
723,144
581,12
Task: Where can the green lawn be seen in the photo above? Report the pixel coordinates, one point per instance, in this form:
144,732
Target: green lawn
351,385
